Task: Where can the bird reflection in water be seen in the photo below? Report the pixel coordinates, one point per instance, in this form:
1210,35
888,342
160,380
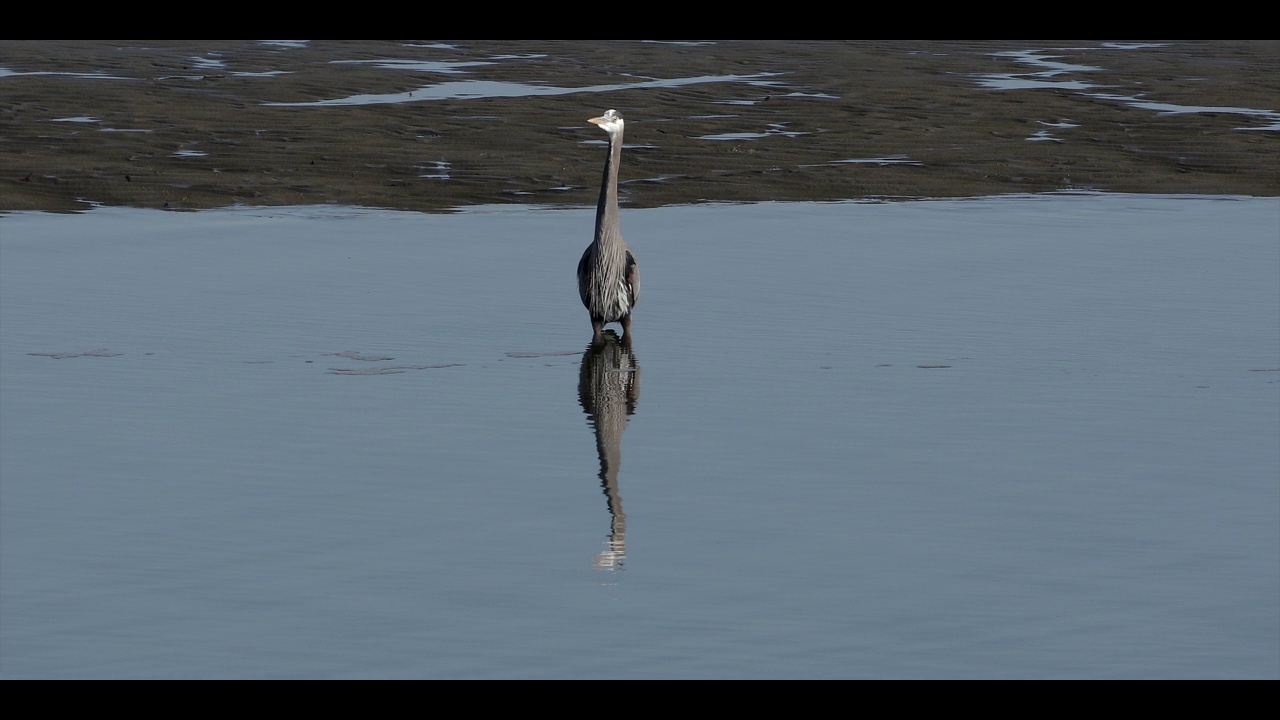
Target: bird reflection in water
608,388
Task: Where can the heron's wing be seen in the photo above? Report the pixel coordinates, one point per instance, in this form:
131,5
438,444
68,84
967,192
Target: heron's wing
583,264
632,274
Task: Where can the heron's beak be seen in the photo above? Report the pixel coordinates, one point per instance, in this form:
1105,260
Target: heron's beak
595,120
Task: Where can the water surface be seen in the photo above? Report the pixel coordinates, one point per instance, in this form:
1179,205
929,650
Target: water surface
1028,436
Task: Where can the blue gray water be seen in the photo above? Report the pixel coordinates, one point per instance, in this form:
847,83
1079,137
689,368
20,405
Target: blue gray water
1032,436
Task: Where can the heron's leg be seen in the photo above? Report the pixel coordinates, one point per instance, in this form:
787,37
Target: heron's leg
626,327
597,330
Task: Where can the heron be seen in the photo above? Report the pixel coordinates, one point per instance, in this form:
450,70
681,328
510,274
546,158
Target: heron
608,277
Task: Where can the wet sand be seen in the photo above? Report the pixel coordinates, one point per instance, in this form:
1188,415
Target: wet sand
201,124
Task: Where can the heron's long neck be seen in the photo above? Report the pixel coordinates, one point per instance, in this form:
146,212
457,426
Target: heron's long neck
607,208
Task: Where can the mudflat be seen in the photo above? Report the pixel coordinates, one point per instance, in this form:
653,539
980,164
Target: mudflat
430,126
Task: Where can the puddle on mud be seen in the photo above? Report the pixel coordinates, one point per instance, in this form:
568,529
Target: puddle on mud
480,89
1046,77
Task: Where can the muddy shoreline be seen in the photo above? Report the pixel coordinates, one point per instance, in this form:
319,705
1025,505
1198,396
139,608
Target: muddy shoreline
202,124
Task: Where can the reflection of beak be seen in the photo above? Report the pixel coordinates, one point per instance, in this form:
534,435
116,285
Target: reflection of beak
595,120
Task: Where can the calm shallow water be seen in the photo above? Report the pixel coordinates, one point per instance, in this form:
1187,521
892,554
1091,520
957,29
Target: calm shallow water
1004,437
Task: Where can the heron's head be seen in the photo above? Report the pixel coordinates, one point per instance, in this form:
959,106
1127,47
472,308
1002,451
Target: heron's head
610,121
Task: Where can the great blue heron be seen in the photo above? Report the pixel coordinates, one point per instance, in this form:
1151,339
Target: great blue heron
608,278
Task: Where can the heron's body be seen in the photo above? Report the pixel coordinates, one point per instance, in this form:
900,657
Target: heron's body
608,278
